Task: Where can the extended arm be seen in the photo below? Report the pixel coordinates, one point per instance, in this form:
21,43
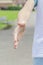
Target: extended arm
23,16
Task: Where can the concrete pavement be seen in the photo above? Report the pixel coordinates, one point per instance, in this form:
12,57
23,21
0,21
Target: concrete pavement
22,55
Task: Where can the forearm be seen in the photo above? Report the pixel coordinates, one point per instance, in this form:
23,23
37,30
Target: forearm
25,12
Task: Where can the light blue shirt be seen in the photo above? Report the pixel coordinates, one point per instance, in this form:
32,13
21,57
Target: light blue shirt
37,48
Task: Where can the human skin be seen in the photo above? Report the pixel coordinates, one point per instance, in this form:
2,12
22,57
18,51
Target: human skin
23,16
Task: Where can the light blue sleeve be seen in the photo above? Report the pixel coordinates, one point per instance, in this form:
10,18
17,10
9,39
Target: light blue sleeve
36,2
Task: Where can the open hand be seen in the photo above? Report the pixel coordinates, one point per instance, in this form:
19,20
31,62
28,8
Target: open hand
16,44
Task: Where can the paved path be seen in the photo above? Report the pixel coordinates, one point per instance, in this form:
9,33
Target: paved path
22,55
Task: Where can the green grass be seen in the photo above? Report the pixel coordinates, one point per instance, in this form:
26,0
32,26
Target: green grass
2,26
11,15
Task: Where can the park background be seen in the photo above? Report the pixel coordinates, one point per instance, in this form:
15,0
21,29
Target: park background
9,10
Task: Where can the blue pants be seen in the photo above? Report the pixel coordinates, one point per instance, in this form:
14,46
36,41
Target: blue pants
38,61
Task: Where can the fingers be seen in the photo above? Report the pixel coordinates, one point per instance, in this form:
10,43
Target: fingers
15,44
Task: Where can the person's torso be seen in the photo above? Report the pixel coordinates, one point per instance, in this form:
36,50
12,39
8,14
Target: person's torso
37,50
